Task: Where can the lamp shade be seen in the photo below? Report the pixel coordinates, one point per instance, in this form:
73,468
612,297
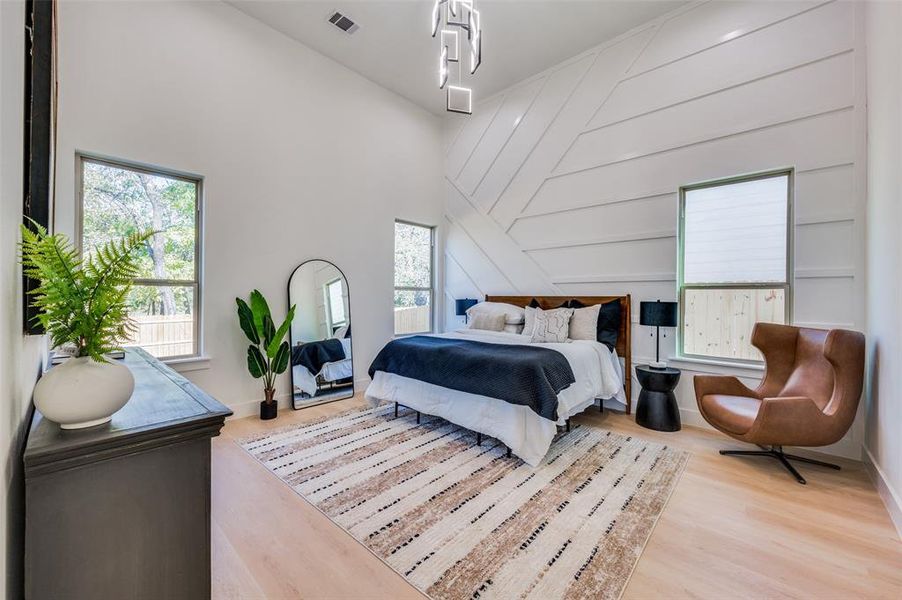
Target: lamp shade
462,306
658,314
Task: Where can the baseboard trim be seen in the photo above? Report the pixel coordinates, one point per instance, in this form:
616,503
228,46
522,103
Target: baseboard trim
891,498
251,408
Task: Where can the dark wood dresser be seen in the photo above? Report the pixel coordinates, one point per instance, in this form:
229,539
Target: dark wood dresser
122,510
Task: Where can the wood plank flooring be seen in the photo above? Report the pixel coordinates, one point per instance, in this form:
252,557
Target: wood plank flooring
734,528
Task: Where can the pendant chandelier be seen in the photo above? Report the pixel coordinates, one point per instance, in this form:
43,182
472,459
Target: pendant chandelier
451,20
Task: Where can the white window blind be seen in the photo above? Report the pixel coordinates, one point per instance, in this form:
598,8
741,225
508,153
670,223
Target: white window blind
735,263
736,232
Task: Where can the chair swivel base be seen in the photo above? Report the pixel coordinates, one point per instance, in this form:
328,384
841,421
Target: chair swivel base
777,453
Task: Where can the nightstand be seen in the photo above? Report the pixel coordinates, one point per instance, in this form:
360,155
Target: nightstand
657,408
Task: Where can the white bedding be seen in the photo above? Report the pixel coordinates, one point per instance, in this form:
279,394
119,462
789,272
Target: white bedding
305,381
596,370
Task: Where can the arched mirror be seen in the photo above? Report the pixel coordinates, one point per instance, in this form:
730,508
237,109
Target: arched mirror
322,368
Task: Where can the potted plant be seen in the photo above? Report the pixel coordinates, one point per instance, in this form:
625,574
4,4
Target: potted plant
82,304
267,355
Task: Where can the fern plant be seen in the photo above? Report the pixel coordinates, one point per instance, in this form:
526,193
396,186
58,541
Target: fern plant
267,354
81,302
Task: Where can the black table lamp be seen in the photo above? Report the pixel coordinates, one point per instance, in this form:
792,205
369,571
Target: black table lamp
462,306
658,314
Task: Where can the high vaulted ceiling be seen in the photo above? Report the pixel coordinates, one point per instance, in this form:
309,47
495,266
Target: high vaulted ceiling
393,46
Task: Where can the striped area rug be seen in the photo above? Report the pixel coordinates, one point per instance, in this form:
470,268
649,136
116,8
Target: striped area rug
464,521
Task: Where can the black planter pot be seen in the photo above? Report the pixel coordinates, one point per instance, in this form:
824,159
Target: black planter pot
269,410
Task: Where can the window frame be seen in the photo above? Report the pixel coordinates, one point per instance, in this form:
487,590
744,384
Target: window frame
197,283
786,286
430,289
328,297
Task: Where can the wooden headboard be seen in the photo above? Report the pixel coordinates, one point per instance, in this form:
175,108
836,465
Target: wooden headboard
624,343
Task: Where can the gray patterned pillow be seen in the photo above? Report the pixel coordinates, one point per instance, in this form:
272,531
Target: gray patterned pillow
487,321
551,326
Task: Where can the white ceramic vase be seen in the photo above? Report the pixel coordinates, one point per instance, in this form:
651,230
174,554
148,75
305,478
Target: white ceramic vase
82,392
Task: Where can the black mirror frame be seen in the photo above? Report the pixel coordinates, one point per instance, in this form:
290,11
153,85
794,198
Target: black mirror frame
291,341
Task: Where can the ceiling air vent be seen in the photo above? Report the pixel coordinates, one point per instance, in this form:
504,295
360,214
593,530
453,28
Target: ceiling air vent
343,23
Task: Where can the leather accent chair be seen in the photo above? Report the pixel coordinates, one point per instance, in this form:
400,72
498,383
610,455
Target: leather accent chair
808,396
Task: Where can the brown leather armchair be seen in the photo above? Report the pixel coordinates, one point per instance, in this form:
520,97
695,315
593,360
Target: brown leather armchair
808,397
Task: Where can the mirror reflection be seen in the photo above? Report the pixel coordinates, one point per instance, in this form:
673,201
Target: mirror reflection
321,360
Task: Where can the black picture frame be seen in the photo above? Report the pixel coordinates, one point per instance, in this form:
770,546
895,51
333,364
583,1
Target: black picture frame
39,140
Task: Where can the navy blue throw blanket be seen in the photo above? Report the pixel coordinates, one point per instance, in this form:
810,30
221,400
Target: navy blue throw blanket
524,375
315,354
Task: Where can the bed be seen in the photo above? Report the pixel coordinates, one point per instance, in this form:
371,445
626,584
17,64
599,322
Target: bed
311,361
428,383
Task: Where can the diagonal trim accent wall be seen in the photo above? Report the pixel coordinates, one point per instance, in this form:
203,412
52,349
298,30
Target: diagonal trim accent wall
567,182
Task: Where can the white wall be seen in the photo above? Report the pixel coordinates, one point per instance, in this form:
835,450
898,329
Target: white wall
567,182
21,356
292,147
884,251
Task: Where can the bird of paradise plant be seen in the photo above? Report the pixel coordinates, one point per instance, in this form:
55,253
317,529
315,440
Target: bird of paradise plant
268,354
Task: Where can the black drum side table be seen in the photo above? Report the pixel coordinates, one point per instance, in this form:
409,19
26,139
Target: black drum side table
657,408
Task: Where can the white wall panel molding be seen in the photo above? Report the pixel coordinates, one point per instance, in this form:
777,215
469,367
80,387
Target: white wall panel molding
595,127
518,268
457,286
708,22
591,92
821,32
504,123
482,270
842,217
827,299
804,143
714,136
669,277
548,104
470,135
825,273
581,197
526,216
454,125
816,88
822,325
615,220
821,169
613,239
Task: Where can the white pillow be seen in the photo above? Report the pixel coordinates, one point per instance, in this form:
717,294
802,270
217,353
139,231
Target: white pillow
584,323
513,329
551,325
513,315
487,321
529,321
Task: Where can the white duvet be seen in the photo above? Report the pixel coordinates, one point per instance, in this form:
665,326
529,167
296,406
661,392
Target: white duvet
596,371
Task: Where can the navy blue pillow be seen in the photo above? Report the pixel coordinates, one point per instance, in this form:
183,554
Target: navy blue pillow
608,321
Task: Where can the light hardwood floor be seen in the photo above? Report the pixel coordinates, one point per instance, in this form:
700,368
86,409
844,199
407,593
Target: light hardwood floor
734,528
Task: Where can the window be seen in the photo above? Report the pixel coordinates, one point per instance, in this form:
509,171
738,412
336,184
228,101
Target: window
413,278
119,198
735,263
336,304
